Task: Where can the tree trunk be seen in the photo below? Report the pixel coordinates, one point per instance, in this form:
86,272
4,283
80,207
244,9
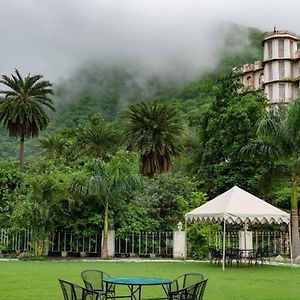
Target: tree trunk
21,153
295,219
104,252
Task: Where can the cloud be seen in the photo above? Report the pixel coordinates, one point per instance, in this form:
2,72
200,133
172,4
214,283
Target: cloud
54,37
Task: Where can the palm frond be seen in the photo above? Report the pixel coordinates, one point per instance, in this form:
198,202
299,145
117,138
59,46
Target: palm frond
272,175
155,130
272,129
97,141
260,150
296,164
21,112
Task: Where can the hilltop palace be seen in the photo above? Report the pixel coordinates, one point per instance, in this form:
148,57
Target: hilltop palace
279,72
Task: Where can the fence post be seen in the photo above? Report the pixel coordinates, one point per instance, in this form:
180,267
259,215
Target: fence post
179,241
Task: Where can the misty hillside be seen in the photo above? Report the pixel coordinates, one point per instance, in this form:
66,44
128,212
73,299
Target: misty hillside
109,89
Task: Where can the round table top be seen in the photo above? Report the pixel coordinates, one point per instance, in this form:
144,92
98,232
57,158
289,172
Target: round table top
137,280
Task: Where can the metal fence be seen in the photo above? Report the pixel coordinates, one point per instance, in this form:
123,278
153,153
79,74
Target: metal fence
15,240
144,244
74,244
276,242
65,240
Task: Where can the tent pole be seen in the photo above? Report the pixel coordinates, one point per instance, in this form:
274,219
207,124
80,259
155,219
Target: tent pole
291,247
245,236
224,239
185,241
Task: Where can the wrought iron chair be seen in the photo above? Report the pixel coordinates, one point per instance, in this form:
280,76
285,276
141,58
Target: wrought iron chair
186,280
74,292
191,292
262,254
215,255
93,280
233,254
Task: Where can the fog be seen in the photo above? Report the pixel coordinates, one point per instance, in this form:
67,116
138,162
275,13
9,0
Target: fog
55,37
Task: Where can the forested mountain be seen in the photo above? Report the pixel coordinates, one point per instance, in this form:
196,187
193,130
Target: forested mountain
108,89
179,143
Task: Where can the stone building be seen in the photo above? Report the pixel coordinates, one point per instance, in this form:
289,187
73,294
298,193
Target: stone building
279,72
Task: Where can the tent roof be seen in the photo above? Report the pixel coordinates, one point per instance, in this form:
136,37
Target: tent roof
238,206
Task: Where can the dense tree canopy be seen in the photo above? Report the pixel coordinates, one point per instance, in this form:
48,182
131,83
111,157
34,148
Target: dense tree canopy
107,182
278,142
224,128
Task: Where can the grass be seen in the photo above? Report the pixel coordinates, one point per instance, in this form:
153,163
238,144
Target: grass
38,280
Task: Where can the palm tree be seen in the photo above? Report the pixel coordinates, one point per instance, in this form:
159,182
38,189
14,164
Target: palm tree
155,130
97,141
21,110
41,197
54,145
107,182
278,143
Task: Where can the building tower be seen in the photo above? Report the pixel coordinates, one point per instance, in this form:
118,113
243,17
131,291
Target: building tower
281,66
278,74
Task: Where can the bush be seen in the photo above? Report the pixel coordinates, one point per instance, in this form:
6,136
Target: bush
28,256
198,236
3,248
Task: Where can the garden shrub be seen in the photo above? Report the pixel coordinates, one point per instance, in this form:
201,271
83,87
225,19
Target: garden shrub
198,239
28,256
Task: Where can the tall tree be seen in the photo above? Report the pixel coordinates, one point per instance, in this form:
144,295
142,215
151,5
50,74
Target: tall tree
39,202
53,145
107,182
99,140
21,110
224,128
278,143
155,130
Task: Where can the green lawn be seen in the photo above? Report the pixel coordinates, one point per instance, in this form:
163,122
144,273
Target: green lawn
38,280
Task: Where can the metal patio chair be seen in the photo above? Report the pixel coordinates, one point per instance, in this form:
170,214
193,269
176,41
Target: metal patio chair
194,291
72,291
232,254
262,255
186,280
93,280
215,255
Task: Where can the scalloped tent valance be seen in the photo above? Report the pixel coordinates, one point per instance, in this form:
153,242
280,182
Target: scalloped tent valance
238,206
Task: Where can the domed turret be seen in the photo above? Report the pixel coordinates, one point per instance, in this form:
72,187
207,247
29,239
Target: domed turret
280,66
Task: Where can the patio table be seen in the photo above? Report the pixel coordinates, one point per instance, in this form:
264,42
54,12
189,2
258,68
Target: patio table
135,285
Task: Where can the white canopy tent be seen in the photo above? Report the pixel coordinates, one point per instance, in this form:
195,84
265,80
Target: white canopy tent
241,207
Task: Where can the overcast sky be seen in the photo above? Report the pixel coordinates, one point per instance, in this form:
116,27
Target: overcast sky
54,37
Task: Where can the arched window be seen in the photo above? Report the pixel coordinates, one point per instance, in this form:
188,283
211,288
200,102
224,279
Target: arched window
261,80
248,81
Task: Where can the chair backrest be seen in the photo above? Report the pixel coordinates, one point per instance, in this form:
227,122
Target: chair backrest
192,278
186,280
215,253
72,291
192,292
93,279
67,289
201,289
